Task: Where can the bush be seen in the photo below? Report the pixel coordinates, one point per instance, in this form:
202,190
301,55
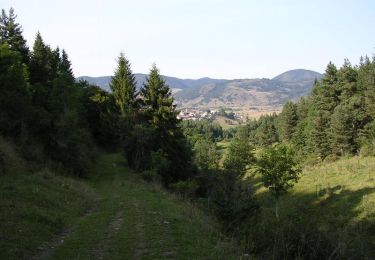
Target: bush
186,189
149,175
233,200
367,149
10,160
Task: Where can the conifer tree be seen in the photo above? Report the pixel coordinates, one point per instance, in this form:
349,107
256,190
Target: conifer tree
123,86
347,81
65,67
288,120
40,62
319,135
161,116
11,33
325,97
55,60
239,156
158,102
14,92
342,130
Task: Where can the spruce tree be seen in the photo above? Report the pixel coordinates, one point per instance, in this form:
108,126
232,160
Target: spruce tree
11,33
123,86
40,62
158,102
55,60
14,93
65,67
342,132
288,120
319,135
161,116
239,156
325,97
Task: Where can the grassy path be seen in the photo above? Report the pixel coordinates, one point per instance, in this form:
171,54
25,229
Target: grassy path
134,220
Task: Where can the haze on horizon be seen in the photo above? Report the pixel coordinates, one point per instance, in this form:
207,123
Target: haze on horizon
194,39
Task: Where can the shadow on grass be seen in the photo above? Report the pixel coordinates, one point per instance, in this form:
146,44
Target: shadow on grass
329,224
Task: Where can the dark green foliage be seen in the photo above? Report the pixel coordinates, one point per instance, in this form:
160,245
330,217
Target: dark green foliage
97,106
123,86
41,62
279,169
224,113
158,104
72,143
319,134
263,132
195,130
232,200
239,156
11,34
335,119
288,121
139,147
206,155
14,93
342,130
64,66
160,117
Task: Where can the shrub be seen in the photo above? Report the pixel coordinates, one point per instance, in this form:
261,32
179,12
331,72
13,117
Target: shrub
149,175
186,189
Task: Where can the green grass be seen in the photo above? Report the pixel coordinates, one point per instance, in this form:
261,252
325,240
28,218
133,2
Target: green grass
35,207
135,220
331,211
112,215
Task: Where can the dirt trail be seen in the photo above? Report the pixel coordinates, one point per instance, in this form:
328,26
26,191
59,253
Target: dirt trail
114,226
45,250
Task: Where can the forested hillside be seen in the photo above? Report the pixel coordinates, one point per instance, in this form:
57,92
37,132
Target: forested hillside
87,173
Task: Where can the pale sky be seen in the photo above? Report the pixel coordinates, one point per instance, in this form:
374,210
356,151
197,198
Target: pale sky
198,38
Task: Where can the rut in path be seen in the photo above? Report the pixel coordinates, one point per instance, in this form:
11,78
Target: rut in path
141,246
115,225
45,250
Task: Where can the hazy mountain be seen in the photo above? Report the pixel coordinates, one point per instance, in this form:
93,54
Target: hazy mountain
207,92
297,75
173,82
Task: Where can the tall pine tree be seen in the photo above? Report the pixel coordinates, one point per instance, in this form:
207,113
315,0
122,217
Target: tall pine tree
288,120
65,67
161,116
40,62
123,86
11,33
158,102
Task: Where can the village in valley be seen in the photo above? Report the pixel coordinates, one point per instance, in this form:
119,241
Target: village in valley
207,114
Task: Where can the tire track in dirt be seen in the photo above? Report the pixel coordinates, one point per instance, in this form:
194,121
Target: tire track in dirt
101,249
44,251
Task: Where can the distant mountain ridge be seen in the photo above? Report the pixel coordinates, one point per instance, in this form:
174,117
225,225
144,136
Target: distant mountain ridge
173,82
240,93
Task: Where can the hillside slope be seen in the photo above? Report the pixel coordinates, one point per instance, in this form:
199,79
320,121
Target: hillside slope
113,215
238,93
173,82
329,212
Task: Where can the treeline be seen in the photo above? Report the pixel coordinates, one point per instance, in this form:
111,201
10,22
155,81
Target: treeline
41,106
336,119
56,119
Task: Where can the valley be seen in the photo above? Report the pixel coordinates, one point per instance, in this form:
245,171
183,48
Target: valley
248,97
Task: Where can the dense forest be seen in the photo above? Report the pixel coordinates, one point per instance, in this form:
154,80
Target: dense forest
336,119
56,121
